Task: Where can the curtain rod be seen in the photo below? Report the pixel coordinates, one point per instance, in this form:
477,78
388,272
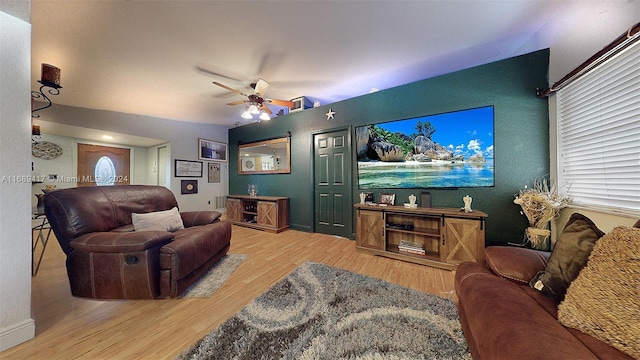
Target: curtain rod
620,43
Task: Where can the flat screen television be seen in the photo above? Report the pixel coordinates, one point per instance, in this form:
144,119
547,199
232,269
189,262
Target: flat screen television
450,150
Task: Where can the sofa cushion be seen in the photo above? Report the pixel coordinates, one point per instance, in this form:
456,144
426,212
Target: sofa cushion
193,246
569,256
167,220
124,228
519,265
197,218
603,300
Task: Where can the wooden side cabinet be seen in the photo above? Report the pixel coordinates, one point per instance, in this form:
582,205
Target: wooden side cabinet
268,213
438,237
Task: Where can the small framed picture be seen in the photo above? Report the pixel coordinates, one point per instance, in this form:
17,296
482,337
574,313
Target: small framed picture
188,186
187,168
214,172
387,199
212,150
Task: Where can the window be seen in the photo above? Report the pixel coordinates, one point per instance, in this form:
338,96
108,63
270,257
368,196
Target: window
105,172
599,135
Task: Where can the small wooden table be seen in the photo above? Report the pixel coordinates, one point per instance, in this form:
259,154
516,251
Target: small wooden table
268,213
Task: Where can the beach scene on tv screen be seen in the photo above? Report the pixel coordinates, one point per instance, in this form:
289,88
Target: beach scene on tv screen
449,150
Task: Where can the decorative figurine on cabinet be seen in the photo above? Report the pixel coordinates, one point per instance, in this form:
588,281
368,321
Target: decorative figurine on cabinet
467,203
412,202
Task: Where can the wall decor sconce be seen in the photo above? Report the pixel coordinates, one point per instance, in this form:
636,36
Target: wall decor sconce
50,81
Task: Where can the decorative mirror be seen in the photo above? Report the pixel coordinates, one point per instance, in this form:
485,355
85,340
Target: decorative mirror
265,157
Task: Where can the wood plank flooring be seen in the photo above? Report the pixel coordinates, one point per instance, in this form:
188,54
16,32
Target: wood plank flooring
73,328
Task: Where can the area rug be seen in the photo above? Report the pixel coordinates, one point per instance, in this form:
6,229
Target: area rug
320,312
214,277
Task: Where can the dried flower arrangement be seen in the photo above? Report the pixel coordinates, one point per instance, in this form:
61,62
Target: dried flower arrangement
540,204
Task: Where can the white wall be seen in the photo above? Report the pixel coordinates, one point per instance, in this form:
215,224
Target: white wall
182,136
16,324
592,28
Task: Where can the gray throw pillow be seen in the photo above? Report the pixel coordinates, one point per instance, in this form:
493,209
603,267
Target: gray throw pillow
167,220
569,256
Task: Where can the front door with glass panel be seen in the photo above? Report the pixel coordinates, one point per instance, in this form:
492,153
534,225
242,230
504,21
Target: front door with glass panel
102,165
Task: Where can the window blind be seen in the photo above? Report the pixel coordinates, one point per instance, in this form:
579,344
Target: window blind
599,135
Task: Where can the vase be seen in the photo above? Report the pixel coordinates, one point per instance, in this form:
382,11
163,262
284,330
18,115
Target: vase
253,190
539,238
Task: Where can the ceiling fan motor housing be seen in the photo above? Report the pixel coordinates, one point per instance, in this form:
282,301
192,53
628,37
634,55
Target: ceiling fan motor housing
255,99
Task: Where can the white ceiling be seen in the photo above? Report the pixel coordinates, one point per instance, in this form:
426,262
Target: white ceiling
158,58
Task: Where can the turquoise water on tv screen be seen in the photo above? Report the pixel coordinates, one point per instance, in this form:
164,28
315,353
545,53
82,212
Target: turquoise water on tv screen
409,175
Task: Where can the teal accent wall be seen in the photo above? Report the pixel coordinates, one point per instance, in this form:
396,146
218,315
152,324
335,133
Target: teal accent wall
521,135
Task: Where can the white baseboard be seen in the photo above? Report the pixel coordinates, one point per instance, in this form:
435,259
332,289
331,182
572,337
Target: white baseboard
17,334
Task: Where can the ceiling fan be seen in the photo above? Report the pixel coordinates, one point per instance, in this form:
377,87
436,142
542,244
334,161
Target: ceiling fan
256,103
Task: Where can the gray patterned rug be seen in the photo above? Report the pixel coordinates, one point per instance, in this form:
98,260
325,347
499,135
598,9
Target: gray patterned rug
211,281
320,312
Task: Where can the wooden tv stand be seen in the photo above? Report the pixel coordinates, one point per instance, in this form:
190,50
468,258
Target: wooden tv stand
268,213
447,236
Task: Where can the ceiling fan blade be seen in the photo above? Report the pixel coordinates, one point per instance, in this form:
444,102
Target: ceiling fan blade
277,102
266,109
237,102
228,88
261,87
207,70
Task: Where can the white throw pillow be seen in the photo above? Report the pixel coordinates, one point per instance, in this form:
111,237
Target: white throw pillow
168,220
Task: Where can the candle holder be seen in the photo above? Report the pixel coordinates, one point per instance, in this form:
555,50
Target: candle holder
53,89
50,79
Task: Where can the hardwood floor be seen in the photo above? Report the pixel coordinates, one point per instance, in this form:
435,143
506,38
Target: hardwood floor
73,328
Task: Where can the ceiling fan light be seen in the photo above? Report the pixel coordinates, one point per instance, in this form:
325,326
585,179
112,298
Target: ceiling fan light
264,116
246,115
253,109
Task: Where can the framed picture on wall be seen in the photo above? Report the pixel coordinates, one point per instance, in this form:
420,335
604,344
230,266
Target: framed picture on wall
187,168
188,186
212,150
214,172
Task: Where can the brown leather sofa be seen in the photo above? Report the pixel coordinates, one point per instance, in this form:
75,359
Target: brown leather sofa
107,259
504,318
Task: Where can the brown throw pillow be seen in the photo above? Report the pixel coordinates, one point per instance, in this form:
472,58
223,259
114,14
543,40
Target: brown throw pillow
603,300
516,264
569,256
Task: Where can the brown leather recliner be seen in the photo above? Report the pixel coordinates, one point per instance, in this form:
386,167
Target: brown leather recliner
107,259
